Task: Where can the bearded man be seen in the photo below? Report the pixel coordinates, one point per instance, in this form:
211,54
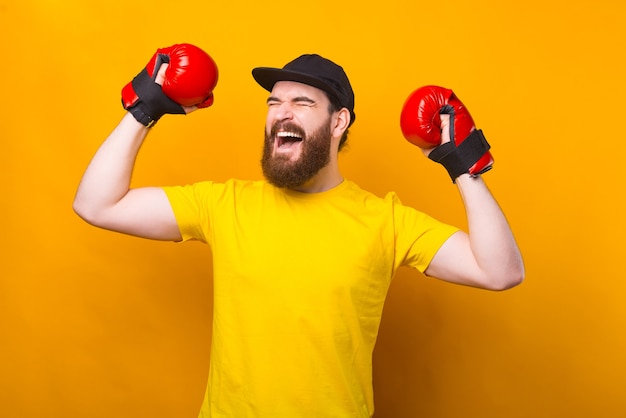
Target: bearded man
302,260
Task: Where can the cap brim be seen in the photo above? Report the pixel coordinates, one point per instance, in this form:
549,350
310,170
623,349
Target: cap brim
267,77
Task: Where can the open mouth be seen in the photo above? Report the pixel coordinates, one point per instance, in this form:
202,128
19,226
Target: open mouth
286,139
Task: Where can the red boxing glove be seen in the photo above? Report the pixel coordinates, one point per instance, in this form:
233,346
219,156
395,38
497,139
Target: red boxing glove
467,151
189,80
190,77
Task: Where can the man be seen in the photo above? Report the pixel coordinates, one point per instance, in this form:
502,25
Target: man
302,261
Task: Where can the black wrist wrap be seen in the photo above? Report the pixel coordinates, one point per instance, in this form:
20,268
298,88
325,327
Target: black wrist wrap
459,159
152,103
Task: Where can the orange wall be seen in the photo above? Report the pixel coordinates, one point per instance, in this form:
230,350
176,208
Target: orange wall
99,325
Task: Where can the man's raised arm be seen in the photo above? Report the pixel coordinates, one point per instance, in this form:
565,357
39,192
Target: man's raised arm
177,80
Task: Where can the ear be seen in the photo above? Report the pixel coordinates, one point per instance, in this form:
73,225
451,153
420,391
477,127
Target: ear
341,121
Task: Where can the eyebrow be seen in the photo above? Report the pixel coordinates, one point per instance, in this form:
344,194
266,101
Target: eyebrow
295,99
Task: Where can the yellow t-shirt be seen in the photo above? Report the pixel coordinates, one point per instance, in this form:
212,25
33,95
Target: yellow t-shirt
299,286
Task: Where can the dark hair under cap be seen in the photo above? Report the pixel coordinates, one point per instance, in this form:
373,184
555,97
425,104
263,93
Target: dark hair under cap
313,70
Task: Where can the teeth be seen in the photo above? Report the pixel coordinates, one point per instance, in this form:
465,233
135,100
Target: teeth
287,135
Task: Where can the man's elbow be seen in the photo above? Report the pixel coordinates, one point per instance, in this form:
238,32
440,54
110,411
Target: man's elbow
79,208
507,280
85,212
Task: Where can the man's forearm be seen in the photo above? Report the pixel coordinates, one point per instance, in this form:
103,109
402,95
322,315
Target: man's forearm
107,178
491,239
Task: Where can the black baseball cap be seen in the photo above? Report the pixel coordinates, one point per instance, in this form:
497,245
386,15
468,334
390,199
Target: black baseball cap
313,70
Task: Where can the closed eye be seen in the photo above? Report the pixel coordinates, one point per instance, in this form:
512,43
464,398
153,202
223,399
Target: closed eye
304,101
272,101
298,101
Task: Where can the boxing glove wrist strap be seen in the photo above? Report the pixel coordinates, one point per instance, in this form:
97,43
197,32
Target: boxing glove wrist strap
153,103
458,159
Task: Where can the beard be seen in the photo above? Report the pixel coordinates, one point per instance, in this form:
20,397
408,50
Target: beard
280,171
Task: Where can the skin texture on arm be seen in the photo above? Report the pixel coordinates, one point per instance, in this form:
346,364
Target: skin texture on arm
104,197
487,256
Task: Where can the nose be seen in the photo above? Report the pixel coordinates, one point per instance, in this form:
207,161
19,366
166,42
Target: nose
283,112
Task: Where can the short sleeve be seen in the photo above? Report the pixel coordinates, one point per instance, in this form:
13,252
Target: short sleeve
191,206
418,236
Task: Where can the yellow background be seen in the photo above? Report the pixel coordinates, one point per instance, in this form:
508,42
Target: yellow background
99,325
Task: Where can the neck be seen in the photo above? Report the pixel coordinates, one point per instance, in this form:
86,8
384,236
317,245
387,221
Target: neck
328,177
